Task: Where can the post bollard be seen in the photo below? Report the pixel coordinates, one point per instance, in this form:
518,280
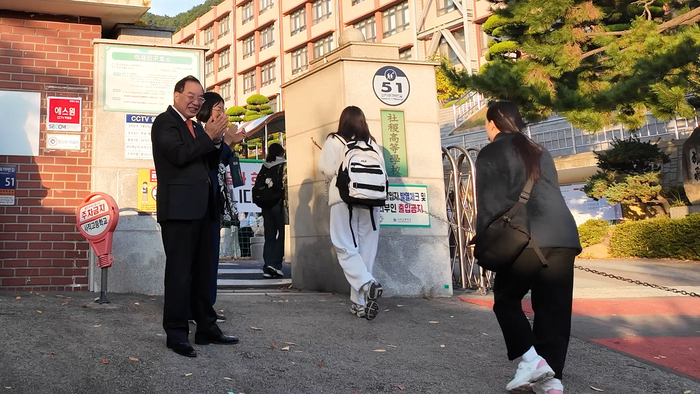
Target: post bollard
97,217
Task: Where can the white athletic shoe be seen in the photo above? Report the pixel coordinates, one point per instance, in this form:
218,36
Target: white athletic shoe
552,386
528,374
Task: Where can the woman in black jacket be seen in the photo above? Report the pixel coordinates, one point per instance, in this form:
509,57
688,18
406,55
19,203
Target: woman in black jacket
502,169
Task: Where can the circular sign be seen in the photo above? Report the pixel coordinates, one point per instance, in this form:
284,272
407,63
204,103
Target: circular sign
51,141
154,193
391,86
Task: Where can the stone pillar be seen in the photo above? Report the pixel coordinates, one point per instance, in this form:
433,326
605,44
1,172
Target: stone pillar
411,261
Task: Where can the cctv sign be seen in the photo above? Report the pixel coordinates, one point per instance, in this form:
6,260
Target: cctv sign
64,114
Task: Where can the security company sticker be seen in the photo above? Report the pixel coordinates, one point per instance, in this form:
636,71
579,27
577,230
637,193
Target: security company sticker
391,86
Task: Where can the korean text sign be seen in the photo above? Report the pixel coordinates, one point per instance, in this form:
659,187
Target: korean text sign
64,113
394,142
407,206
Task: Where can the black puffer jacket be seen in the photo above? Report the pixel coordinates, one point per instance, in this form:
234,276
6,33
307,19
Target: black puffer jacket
500,177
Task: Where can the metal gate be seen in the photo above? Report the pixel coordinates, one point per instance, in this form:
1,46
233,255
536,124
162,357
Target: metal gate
460,196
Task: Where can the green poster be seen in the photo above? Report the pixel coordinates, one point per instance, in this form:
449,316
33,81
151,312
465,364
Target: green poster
394,142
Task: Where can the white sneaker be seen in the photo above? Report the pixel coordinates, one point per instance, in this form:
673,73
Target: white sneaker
536,371
552,386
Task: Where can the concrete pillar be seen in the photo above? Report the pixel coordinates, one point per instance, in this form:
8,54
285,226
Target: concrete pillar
411,261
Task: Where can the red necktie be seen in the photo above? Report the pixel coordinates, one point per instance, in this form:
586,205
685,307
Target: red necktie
189,126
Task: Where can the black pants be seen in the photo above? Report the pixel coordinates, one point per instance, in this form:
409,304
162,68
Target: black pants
551,291
188,277
273,223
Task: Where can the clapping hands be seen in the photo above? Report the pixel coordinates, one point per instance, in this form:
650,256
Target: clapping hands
216,127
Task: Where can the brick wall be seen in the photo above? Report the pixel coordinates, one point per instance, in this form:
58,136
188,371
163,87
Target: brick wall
40,247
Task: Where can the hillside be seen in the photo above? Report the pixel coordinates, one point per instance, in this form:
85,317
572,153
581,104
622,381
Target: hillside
180,20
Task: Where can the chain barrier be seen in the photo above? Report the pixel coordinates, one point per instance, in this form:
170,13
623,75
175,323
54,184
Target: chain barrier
638,282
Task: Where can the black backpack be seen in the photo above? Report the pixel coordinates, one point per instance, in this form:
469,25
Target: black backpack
268,189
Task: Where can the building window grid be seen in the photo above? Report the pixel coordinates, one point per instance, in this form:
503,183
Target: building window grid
267,37
208,35
323,46
356,2
445,6
190,41
268,73
298,21
321,10
249,81
225,90
395,19
266,5
300,60
209,66
406,54
224,59
248,13
248,46
368,27
224,25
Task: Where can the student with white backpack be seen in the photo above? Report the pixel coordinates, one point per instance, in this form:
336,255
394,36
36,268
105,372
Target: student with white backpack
353,163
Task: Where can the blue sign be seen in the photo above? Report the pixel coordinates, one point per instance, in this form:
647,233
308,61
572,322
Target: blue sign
133,118
8,184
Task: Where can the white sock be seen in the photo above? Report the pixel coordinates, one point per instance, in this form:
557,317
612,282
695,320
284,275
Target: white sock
530,354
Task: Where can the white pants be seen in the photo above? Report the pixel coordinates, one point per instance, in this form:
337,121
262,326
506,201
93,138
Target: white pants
356,261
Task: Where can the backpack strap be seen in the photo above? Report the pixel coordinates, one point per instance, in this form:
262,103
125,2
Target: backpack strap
350,223
371,217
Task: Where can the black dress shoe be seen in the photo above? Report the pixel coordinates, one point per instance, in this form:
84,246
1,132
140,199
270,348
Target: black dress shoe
183,349
205,339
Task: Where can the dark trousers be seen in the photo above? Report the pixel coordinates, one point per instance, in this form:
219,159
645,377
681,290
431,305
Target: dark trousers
188,274
551,291
216,238
273,223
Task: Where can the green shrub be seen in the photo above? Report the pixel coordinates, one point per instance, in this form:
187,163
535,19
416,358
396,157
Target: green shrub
267,112
257,99
658,238
236,119
252,107
264,107
251,113
248,118
235,111
593,231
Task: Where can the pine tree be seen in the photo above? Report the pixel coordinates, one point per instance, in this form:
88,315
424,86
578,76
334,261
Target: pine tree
594,62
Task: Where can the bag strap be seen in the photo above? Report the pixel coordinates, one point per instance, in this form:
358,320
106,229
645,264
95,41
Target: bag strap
525,194
537,250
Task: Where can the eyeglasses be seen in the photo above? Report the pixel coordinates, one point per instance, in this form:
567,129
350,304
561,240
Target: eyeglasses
191,98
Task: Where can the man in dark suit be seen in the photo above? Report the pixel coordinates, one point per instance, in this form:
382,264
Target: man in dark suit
184,153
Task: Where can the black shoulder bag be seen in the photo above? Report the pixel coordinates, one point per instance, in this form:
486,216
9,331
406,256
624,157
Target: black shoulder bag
498,246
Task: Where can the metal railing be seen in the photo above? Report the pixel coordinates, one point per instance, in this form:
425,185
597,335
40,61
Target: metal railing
561,138
474,102
460,196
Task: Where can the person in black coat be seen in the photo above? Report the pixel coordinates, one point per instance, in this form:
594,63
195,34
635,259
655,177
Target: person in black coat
183,154
502,169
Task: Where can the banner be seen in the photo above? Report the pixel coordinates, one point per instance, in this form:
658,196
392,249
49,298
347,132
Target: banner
147,189
406,206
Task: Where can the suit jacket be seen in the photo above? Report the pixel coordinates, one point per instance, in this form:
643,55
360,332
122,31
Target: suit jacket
182,165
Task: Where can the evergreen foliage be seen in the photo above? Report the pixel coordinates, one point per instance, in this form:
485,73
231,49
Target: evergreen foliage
595,62
254,109
180,20
658,238
592,231
446,90
257,99
629,173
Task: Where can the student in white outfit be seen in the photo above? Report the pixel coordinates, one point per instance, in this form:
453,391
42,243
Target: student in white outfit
356,246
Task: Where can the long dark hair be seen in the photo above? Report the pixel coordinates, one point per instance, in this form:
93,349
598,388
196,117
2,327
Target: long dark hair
506,116
273,151
210,100
353,125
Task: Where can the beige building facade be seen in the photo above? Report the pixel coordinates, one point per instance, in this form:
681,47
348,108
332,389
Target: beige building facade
255,46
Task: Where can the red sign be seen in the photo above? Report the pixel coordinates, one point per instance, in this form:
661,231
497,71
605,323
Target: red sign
64,113
97,217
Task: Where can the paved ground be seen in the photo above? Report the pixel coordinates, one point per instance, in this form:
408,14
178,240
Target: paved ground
657,326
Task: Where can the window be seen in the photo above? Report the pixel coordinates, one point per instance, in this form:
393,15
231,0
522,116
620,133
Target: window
249,81
445,49
323,46
224,25
356,2
484,39
224,58
298,21
368,27
248,12
406,54
209,66
300,60
248,46
266,5
321,10
208,35
273,104
268,73
190,41
267,37
445,6
225,90
395,19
